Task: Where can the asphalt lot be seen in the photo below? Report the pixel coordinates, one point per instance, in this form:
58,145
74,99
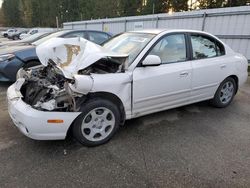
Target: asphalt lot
2,39
192,146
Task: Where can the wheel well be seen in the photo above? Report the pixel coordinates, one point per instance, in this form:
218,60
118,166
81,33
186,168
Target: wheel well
108,96
236,79
113,98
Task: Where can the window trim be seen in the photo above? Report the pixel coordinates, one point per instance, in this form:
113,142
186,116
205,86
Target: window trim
214,40
188,49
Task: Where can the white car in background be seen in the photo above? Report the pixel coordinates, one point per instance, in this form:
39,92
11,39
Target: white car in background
36,30
92,90
8,32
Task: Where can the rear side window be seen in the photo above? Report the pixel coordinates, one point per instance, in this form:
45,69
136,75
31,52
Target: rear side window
206,47
97,37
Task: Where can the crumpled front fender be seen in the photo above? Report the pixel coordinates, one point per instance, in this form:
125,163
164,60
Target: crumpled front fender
83,84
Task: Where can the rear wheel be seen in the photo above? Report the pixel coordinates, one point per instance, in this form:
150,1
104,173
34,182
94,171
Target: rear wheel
98,122
225,93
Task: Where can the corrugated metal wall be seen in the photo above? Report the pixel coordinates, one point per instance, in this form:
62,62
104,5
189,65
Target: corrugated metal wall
232,25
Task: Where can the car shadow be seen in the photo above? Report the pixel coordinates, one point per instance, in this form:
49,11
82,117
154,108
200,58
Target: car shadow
131,128
170,115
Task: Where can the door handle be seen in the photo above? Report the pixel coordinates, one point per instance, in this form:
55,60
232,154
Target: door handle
223,66
184,74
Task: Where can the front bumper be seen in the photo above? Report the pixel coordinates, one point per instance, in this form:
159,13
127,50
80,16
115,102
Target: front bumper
33,123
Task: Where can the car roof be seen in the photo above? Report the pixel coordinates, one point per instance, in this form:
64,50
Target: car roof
150,31
88,30
158,31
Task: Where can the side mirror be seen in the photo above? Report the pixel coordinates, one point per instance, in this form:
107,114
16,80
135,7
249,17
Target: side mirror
151,60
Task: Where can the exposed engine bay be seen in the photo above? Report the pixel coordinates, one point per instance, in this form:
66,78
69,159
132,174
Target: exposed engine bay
46,88
65,78
103,66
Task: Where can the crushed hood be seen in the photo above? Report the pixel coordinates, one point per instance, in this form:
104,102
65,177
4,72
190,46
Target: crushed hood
72,54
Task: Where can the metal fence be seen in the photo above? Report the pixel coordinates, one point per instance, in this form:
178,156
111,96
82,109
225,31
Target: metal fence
3,28
232,25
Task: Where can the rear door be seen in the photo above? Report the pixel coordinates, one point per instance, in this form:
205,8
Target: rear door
209,67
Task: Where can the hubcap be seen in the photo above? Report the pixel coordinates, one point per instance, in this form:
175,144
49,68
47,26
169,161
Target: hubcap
226,92
98,124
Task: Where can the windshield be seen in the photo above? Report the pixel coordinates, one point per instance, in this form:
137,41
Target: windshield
129,43
56,34
33,38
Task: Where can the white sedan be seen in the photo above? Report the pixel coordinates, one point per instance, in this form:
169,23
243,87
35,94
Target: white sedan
91,90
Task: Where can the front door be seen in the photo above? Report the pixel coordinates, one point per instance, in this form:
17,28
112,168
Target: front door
156,88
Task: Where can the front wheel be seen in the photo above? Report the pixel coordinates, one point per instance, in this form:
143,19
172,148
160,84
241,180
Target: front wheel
225,93
98,122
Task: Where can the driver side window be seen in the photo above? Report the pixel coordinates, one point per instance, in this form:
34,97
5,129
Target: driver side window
171,48
34,32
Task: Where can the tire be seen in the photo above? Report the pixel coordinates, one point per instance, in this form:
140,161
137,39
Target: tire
225,93
98,122
15,38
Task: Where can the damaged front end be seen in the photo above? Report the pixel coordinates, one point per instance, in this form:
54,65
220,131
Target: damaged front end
64,80
46,89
